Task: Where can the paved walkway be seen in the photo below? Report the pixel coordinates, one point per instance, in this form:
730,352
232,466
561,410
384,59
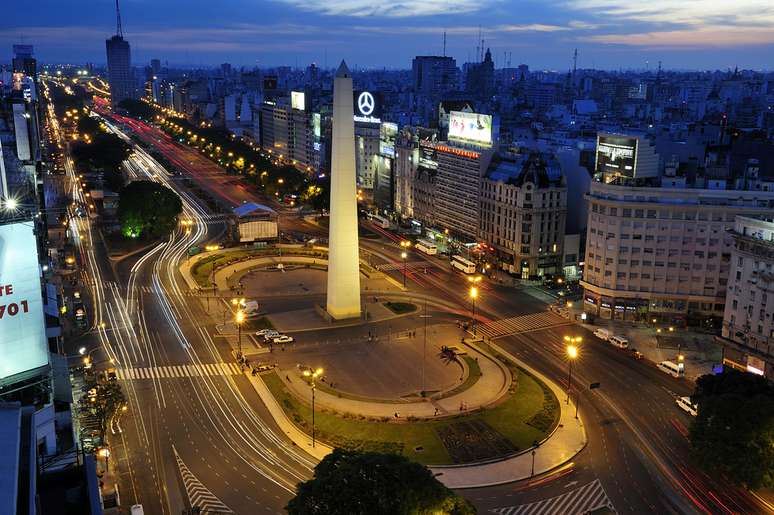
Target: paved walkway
490,387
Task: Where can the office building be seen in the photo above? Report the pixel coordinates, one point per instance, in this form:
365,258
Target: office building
664,252
119,62
627,159
434,75
748,320
523,213
287,131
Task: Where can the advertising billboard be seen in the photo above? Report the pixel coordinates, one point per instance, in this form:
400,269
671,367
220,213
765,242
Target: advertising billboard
316,127
388,133
298,100
616,155
472,128
367,106
23,344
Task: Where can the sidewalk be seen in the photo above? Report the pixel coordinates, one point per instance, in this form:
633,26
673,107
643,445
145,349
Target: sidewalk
567,440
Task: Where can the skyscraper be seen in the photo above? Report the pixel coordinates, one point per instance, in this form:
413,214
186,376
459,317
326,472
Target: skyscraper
434,75
119,61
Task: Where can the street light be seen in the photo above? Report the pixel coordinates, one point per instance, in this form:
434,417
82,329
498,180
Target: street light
572,355
473,297
404,244
239,318
312,375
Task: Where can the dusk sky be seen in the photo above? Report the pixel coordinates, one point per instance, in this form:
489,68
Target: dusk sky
684,34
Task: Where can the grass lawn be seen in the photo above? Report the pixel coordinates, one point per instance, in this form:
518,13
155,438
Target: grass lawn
202,269
474,372
510,418
400,308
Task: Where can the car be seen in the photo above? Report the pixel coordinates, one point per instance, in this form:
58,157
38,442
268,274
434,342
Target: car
686,405
636,354
263,332
270,335
283,338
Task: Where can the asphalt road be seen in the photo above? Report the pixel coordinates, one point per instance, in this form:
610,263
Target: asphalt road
638,451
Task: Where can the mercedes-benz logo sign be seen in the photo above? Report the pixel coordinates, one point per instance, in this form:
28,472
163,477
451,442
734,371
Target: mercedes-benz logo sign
365,103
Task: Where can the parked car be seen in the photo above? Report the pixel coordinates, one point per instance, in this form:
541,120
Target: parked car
264,332
603,334
283,338
636,354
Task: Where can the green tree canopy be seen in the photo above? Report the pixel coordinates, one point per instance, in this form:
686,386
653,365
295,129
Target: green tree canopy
354,483
733,433
148,209
105,153
137,108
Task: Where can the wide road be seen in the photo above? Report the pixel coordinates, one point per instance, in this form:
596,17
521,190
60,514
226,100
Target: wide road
638,453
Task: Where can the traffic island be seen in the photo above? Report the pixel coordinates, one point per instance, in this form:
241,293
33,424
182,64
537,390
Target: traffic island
506,410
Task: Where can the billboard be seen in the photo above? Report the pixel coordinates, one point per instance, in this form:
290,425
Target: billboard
316,127
298,100
388,133
23,343
367,106
472,128
616,155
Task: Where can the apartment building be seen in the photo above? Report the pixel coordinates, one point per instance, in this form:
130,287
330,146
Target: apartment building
662,252
748,320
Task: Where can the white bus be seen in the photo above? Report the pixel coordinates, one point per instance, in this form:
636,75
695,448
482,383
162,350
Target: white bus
427,247
379,220
464,265
671,368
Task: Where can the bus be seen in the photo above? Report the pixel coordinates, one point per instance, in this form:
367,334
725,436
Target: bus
427,247
379,220
464,265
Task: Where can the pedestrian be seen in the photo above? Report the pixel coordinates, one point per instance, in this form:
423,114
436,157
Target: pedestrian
436,412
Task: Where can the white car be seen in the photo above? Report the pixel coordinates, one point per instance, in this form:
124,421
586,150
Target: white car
283,338
266,332
686,405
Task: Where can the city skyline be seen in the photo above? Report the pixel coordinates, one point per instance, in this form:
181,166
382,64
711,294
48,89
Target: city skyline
542,35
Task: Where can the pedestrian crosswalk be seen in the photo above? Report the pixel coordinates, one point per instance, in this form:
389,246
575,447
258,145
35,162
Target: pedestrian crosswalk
411,266
585,499
172,371
198,495
520,324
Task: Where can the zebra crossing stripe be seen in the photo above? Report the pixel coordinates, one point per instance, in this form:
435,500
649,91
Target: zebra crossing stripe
174,371
198,494
521,324
582,500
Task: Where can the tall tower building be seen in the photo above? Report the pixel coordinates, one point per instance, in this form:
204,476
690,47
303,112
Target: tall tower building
343,253
119,62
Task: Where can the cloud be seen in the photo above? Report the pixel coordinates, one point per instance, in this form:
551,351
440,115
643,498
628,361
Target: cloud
390,9
467,30
706,37
690,13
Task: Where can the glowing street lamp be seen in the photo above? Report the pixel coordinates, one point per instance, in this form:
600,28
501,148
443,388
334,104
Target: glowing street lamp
239,318
473,296
312,375
572,355
404,244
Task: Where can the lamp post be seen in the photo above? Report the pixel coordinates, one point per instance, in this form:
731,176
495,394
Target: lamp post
404,244
312,375
473,296
239,318
572,355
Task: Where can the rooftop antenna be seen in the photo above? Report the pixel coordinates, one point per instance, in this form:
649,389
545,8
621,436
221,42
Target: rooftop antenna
444,42
119,29
574,62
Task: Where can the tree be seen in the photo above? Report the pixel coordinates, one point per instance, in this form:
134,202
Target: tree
351,483
148,209
734,430
105,153
137,108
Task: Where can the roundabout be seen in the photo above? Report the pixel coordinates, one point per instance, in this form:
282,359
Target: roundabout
405,377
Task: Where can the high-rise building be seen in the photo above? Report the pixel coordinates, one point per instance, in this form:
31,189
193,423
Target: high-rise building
24,60
479,80
748,324
119,63
433,74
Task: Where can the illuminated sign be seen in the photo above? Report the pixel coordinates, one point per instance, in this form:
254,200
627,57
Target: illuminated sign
298,100
471,128
367,107
388,132
316,127
616,155
23,344
756,365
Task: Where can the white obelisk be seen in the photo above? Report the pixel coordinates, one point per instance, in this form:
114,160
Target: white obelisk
343,258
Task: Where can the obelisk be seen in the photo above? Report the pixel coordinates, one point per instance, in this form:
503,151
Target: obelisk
343,258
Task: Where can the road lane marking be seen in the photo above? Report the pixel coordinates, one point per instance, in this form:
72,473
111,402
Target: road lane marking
174,371
585,499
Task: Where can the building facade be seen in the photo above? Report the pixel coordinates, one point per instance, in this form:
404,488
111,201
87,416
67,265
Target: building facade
748,320
119,62
523,214
662,252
